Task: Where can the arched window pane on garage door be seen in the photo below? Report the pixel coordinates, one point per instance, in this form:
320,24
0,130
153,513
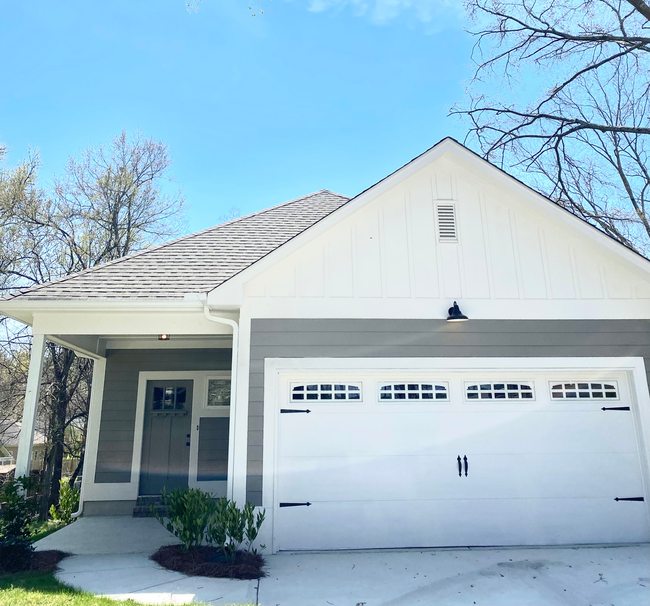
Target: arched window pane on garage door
506,390
325,392
409,391
584,390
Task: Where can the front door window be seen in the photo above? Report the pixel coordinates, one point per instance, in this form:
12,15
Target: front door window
169,398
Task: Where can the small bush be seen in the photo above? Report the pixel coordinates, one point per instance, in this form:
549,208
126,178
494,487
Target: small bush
15,554
188,514
16,512
68,503
193,517
230,526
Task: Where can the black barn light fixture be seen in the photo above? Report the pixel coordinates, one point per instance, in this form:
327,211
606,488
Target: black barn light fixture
455,315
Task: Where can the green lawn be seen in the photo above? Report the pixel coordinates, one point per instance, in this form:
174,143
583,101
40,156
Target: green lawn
42,589
38,530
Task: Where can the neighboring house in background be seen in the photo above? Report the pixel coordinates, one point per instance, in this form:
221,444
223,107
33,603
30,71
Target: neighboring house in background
9,439
304,358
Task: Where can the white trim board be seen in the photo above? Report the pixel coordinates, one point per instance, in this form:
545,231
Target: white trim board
634,367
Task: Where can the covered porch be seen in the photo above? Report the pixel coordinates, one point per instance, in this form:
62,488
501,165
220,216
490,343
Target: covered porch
162,404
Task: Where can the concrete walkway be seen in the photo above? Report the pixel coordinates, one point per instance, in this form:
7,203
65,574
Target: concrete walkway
118,566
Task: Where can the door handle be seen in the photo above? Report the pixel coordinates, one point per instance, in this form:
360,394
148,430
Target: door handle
466,465
460,468
187,443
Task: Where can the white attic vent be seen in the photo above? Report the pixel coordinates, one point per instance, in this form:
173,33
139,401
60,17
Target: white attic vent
446,217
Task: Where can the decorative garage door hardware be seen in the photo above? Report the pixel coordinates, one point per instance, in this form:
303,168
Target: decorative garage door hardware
289,410
325,391
460,466
576,390
499,391
307,504
629,499
616,408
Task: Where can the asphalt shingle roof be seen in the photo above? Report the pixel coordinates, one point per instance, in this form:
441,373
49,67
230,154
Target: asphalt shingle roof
195,263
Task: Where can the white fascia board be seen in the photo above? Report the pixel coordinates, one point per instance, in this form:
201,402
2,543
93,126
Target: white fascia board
231,291
23,310
480,168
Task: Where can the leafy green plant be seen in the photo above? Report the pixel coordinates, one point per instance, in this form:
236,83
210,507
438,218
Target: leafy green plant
253,525
193,517
16,512
68,503
187,516
230,526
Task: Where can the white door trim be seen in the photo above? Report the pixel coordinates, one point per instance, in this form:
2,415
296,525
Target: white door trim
128,491
273,367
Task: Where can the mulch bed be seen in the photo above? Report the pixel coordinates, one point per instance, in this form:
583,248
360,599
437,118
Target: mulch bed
47,561
209,562
41,561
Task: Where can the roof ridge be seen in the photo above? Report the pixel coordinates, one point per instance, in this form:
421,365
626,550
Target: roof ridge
144,251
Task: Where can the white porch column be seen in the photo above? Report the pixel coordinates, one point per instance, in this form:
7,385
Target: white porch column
26,443
92,429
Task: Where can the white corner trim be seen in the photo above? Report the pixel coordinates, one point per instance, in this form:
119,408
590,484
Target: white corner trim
274,367
238,454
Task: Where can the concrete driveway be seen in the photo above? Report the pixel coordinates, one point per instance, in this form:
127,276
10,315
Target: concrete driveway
113,560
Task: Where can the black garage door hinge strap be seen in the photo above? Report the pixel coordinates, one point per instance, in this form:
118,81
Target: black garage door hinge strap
629,499
616,408
294,410
295,504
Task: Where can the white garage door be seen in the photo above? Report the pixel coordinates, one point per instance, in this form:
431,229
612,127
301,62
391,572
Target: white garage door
423,459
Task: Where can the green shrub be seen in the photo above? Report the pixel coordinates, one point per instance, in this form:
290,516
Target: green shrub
68,503
188,514
16,512
230,526
193,517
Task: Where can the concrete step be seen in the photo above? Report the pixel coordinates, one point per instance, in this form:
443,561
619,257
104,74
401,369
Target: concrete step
143,506
140,511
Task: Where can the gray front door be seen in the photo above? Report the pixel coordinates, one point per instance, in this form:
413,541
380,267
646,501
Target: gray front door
166,440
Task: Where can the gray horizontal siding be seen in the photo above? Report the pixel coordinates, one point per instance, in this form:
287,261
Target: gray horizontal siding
425,338
115,448
213,449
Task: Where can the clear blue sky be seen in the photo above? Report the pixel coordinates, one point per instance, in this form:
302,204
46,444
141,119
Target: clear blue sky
314,94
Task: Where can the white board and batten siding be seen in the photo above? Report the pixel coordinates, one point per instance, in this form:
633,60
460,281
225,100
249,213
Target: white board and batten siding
443,234
478,463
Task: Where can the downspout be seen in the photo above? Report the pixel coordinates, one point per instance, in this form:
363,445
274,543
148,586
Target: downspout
233,365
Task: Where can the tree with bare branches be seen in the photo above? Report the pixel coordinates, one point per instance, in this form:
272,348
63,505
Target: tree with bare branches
108,204
560,98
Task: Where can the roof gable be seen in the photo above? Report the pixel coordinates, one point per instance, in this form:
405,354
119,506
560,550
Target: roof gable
381,256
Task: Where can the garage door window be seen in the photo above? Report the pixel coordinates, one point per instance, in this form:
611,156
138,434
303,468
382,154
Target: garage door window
436,392
577,390
499,391
325,391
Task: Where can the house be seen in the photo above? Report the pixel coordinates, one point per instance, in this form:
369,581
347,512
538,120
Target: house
312,358
9,438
